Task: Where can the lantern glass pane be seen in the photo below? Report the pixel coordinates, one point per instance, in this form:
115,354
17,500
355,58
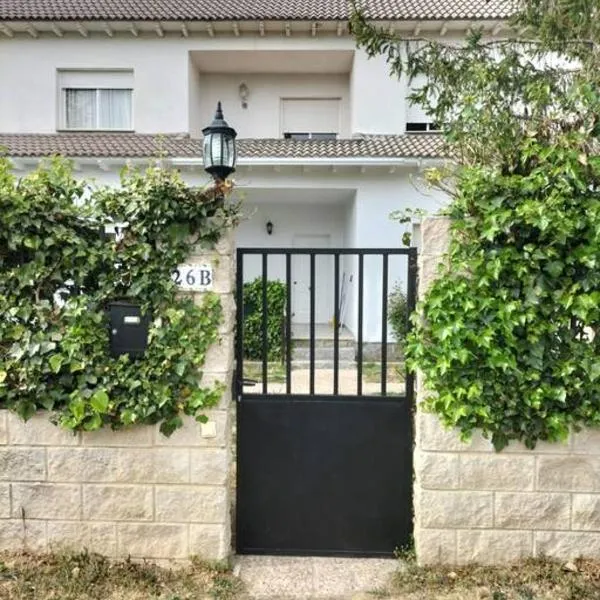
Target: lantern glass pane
206,153
216,149
230,152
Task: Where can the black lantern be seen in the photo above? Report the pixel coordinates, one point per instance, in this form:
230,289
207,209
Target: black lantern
219,147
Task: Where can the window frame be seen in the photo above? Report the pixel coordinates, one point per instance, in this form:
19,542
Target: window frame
92,86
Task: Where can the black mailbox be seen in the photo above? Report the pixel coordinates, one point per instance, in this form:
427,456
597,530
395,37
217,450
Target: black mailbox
128,329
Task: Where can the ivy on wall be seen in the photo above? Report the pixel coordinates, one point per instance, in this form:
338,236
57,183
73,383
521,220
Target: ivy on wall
507,336
57,274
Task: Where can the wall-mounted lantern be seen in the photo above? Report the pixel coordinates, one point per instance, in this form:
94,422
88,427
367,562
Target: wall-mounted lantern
269,227
128,329
219,152
244,93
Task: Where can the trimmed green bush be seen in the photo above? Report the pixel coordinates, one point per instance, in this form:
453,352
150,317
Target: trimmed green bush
398,313
253,319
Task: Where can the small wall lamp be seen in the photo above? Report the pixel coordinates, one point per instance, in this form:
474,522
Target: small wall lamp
269,227
244,93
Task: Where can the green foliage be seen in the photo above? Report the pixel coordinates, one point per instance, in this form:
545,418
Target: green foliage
57,274
398,313
253,319
507,336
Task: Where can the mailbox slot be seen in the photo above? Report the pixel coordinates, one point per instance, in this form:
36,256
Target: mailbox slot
128,329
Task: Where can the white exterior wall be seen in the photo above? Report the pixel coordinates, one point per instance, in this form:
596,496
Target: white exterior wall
29,90
378,100
262,117
168,89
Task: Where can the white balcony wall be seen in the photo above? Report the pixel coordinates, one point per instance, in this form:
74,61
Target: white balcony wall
263,116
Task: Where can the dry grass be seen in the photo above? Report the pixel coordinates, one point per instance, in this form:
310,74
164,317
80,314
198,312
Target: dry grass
92,577
532,579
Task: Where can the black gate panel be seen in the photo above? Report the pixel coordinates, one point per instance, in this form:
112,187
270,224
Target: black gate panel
324,477
323,472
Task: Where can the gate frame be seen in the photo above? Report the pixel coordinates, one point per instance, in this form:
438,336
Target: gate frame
239,395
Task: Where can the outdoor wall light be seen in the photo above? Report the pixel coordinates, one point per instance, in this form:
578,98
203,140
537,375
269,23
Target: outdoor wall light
269,227
219,152
244,93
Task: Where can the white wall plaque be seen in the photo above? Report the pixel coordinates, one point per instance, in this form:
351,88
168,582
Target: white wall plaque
194,278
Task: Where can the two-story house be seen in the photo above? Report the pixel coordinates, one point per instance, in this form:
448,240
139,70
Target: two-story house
328,144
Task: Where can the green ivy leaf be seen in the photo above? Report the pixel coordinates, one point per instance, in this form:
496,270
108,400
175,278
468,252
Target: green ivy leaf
99,401
56,361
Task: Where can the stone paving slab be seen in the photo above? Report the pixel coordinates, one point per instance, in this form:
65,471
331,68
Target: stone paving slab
317,578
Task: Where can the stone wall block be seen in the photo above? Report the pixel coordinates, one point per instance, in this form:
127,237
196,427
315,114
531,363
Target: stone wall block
152,540
118,465
586,512
569,473
195,504
429,269
566,545
209,541
171,465
228,322
46,501
38,431
436,546
219,357
490,547
496,472
118,502
561,448
226,244
437,470
3,427
532,511
71,535
455,510
136,436
587,441
435,235
434,436
209,466
22,464
191,433
4,501
17,535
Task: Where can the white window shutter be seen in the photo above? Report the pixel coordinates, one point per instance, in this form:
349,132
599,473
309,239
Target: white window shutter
308,115
414,112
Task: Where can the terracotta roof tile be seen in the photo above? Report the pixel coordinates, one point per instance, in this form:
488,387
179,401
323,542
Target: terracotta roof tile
220,10
132,145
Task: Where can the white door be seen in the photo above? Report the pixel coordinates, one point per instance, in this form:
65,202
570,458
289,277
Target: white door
301,281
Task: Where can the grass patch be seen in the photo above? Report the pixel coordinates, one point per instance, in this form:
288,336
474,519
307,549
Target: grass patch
532,579
87,576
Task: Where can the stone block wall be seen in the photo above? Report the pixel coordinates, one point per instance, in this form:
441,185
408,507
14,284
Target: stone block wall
473,504
132,492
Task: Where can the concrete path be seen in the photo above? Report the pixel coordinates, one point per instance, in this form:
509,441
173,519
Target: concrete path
295,578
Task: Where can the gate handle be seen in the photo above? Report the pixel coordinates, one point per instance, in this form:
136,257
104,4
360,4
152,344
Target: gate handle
249,382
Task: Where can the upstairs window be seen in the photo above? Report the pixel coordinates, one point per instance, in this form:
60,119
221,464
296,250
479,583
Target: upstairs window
96,100
417,120
310,118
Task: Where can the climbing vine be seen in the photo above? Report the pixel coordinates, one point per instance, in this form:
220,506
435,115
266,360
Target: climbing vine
59,271
506,337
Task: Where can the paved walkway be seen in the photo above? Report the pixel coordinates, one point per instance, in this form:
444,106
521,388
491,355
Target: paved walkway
291,577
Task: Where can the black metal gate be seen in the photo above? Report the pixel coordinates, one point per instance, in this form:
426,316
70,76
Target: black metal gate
324,471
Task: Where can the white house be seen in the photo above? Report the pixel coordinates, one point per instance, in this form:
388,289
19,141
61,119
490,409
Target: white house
328,145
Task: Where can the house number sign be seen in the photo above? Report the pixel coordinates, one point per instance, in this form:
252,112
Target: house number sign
194,278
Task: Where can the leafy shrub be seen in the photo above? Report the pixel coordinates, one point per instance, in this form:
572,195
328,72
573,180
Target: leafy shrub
57,274
398,313
253,319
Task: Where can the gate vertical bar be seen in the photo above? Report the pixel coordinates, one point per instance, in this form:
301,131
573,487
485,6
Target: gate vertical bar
239,339
265,342
411,303
312,324
288,323
336,323
384,325
359,352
